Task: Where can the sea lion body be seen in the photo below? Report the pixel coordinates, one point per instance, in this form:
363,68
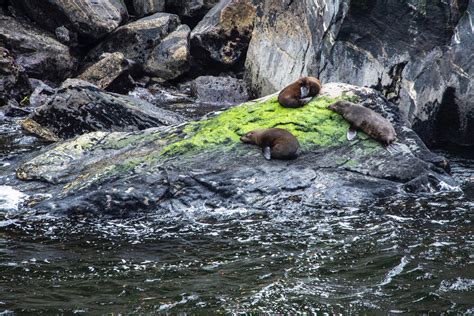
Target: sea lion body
366,120
299,92
276,143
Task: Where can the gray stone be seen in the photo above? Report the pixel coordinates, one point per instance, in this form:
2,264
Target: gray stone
171,58
224,33
90,19
104,73
138,39
78,107
190,8
146,7
36,51
220,90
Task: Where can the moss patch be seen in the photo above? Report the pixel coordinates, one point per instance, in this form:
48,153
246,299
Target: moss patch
313,124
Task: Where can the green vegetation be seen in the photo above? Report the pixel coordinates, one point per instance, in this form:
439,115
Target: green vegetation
314,125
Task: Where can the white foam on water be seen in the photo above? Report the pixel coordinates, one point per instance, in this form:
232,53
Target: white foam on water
395,271
10,198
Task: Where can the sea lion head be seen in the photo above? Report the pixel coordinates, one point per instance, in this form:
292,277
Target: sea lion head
313,85
340,106
251,137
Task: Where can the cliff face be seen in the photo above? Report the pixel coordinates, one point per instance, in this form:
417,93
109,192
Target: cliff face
417,53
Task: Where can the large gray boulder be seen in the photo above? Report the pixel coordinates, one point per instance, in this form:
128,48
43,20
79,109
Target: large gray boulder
78,107
146,42
203,164
224,33
171,58
219,90
418,53
89,19
36,51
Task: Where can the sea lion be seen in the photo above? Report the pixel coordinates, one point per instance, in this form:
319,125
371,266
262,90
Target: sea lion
299,92
276,143
366,120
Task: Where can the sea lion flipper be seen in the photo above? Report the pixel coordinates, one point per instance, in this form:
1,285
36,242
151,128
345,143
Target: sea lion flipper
267,152
304,91
305,100
351,134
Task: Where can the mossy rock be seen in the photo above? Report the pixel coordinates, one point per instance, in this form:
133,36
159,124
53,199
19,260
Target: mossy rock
314,125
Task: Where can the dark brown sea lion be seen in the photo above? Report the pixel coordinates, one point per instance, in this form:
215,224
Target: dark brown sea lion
299,92
366,120
276,143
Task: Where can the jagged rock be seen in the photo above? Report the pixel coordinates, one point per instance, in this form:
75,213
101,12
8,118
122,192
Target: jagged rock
415,52
107,72
13,81
146,7
224,33
13,108
137,40
190,8
40,93
203,164
170,59
221,90
36,51
79,107
89,19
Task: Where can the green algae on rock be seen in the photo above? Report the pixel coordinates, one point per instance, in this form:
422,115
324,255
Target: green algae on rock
314,125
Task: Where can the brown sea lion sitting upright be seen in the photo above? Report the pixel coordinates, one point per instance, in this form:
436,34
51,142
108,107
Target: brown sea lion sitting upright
299,92
276,143
366,120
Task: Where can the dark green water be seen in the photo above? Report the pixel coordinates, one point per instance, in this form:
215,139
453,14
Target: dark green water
401,255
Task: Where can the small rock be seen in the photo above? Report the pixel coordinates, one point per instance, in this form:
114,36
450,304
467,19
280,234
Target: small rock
108,70
62,34
222,90
34,128
13,109
13,80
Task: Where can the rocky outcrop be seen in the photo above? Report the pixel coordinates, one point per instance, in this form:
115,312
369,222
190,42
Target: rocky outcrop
146,7
220,90
224,33
146,42
79,107
110,73
203,164
36,51
412,51
13,81
171,58
188,9
84,18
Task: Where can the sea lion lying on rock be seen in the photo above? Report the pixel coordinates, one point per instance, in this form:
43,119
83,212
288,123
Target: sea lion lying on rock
276,143
366,120
299,92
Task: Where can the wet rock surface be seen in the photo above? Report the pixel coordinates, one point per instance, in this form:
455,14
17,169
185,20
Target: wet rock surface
78,107
412,51
146,7
37,51
88,19
219,90
204,163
